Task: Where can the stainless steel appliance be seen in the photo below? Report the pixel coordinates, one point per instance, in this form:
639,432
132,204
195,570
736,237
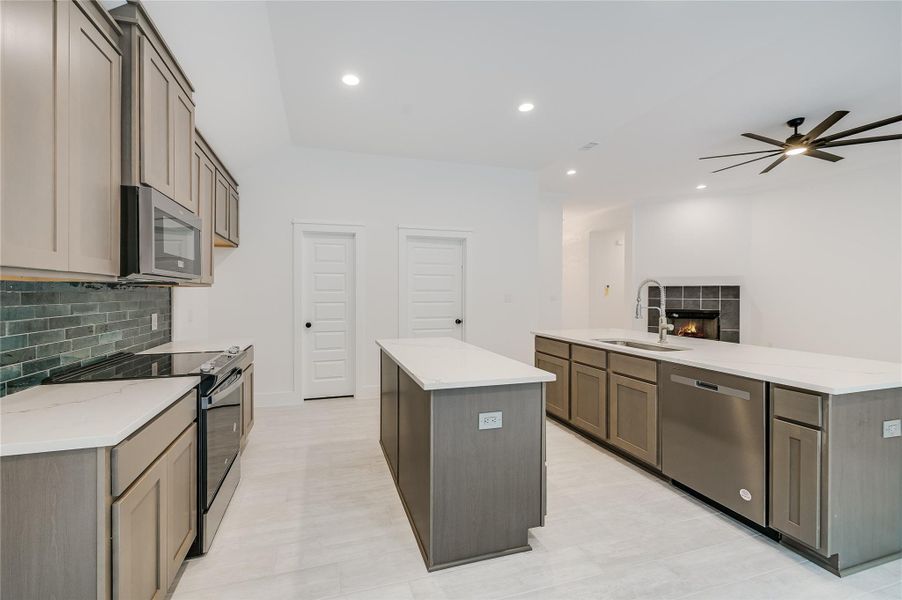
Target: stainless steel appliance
221,393
160,238
713,437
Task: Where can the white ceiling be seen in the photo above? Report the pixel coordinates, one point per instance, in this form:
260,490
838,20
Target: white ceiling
655,84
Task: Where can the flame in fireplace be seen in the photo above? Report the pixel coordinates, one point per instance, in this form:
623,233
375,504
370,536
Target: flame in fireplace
691,329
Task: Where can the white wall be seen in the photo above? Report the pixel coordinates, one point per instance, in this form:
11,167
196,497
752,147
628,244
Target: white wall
820,264
252,296
607,278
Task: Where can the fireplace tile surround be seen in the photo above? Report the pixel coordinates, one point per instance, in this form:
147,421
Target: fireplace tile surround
723,298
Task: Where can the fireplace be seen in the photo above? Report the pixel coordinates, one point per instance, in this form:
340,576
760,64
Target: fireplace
704,324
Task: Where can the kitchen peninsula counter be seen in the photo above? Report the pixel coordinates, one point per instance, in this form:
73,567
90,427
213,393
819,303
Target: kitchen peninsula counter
463,432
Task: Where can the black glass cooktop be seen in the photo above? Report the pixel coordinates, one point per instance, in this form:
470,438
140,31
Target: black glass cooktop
126,365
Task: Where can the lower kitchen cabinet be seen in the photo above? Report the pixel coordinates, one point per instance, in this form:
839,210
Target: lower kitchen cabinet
181,500
557,392
588,399
247,405
796,481
634,417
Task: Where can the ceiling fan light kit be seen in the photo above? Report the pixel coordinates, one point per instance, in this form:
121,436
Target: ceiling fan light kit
810,144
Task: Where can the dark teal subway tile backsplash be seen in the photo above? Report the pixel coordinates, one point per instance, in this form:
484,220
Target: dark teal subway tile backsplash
45,327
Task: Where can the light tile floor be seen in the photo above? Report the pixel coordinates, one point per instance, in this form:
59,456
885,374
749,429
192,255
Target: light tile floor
317,516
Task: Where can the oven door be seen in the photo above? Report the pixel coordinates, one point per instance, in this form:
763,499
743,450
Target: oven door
170,237
222,429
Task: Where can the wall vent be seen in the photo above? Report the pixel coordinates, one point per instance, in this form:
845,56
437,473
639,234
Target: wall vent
588,146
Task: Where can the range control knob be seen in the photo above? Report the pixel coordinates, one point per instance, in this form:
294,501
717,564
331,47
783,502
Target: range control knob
234,350
206,368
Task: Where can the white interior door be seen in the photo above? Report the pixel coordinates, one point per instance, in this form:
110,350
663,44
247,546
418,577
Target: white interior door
327,299
435,287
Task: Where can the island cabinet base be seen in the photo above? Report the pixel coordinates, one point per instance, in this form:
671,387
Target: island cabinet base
470,493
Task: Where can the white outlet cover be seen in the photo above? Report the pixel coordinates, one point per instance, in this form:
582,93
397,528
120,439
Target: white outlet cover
892,428
490,420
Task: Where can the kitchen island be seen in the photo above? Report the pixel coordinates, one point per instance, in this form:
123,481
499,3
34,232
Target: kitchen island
804,445
463,432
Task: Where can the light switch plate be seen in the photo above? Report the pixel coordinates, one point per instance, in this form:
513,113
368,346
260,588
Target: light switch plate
153,322
490,420
892,428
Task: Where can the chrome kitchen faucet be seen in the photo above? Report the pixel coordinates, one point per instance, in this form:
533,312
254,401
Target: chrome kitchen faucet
663,325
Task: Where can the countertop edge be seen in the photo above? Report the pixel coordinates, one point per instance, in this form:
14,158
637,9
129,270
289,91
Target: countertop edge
104,441
674,358
438,385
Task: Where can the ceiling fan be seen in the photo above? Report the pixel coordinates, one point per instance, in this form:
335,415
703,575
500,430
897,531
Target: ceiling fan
809,143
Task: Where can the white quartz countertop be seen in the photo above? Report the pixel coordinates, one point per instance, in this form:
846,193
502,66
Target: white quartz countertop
446,363
213,345
824,373
71,416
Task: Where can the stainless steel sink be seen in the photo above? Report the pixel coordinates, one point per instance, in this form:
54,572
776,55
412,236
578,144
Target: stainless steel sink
640,345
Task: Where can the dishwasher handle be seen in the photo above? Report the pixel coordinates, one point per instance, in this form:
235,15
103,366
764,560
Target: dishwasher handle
711,387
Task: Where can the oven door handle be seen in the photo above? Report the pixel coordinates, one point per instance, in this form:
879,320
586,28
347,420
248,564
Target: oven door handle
222,392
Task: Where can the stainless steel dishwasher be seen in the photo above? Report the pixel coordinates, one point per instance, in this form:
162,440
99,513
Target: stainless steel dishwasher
713,437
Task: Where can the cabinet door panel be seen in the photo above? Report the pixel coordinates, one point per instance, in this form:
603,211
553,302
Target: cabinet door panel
557,392
796,481
156,120
139,565
205,184
181,500
588,399
221,227
182,148
233,215
33,121
634,417
94,149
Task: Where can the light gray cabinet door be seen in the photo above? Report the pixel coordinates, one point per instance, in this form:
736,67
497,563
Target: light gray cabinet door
156,118
181,500
557,392
634,418
205,188
34,210
233,215
588,399
247,405
182,148
94,148
221,227
796,481
139,552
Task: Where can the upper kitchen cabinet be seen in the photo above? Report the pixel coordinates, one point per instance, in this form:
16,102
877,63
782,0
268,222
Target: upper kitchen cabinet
60,67
157,110
226,228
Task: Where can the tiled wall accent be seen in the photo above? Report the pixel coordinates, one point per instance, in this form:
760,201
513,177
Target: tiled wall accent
724,298
45,327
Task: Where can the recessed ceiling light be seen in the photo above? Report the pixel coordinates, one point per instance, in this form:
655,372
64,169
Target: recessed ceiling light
700,186
526,107
350,79
571,172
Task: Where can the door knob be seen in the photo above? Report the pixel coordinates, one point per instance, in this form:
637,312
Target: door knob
308,324
457,321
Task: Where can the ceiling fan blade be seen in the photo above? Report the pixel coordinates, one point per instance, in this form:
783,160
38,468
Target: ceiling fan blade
772,154
860,129
766,140
773,164
737,154
867,140
822,155
824,126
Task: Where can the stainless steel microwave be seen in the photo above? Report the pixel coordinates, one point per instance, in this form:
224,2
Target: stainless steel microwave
160,238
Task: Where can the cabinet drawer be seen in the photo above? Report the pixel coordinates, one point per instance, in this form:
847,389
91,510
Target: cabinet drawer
640,368
588,356
133,455
553,347
798,406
